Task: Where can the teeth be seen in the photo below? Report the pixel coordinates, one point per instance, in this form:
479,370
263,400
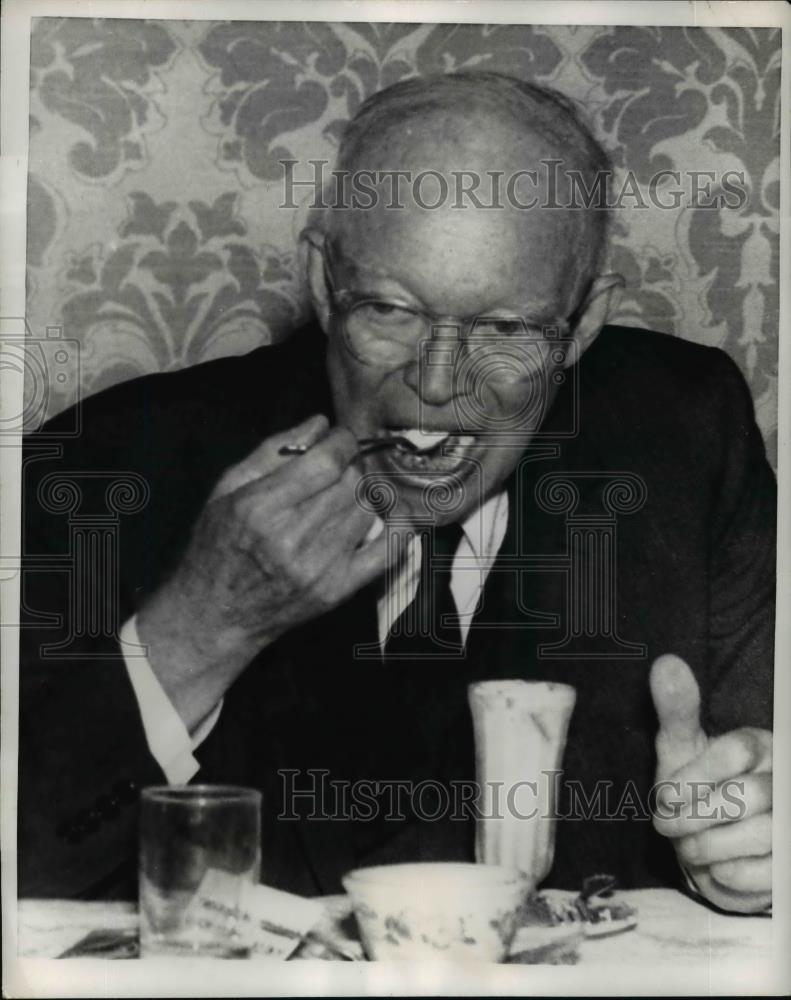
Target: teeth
437,451
424,440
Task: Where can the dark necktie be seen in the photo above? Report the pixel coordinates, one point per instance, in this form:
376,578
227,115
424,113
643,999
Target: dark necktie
423,655
423,718
428,628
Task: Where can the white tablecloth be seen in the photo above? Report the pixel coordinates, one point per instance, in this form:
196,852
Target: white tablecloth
671,929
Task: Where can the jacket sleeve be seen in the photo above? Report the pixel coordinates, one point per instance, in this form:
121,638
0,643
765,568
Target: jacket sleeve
83,755
742,553
107,513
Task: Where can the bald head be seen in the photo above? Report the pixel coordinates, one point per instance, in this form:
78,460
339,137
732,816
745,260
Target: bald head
523,107
433,130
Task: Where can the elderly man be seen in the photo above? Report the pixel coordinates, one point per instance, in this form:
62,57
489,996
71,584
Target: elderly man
460,374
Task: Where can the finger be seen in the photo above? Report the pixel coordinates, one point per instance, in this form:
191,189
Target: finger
697,807
674,690
744,874
354,520
738,752
372,559
333,521
752,837
303,476
338,578
265,458
731,900
352,527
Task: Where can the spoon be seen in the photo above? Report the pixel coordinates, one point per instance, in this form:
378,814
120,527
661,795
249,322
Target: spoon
367,445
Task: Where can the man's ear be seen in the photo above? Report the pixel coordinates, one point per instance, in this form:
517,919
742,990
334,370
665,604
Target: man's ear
311,259
600,303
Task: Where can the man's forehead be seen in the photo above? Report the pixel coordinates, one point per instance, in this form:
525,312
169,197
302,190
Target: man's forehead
456,262
451,141
470,176
448,244
452,234
438,194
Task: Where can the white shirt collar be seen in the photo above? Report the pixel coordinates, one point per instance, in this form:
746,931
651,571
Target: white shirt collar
483,534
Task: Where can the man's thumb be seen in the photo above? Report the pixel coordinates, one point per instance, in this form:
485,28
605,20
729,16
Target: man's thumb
680,738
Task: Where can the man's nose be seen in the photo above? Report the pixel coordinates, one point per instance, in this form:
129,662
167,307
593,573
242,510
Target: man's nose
433,374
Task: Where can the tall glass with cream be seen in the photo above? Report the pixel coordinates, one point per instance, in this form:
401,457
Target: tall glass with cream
520,732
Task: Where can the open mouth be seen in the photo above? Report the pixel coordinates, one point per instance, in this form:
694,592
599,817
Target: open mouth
428,452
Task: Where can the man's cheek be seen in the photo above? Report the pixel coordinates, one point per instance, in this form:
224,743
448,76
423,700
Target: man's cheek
496,465
352,395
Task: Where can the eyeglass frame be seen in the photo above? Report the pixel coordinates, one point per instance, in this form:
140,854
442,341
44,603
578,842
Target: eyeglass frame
434,320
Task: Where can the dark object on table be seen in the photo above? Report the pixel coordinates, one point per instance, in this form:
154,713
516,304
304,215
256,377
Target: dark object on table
602,916
106,944
550,931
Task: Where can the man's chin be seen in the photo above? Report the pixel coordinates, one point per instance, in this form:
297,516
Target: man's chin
410,495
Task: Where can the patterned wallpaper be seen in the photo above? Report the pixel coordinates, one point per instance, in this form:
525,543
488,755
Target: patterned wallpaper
154,233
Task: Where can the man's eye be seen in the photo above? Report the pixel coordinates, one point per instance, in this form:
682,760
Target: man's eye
383,313
495,327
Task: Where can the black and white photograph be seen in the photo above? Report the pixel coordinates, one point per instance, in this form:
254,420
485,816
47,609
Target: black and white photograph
393,415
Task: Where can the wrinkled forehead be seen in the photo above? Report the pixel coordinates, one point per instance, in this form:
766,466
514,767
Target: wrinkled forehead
461,263
449,194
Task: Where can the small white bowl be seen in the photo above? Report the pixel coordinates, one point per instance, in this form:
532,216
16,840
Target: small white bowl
437,910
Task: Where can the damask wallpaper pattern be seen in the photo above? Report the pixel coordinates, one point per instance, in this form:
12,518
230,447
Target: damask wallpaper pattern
155,236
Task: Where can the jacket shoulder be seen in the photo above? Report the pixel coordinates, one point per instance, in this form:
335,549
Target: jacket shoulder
236,397
660,354
659,398
666,373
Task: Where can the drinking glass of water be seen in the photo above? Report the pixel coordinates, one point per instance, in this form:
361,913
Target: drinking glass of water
199,851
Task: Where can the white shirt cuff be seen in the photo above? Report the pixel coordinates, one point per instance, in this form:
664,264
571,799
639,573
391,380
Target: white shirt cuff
168,738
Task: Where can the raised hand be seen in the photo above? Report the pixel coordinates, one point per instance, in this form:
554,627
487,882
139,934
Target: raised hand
714,795
279,542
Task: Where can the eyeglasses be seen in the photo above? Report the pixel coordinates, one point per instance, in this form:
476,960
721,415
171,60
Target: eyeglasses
389,334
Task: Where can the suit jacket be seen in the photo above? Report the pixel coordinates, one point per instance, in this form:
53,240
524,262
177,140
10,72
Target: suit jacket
662,493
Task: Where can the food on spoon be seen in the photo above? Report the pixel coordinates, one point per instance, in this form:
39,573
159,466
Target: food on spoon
423,440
